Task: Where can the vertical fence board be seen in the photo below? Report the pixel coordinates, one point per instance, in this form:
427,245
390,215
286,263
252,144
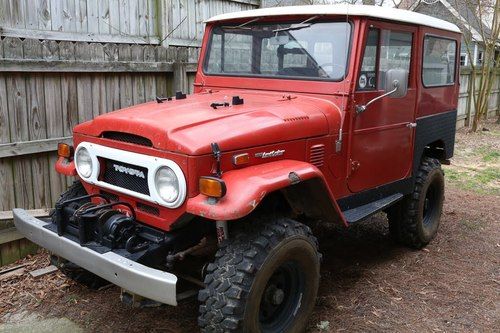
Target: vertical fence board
124,17
124,54
37,126
7,199
9,252
16,97
103,17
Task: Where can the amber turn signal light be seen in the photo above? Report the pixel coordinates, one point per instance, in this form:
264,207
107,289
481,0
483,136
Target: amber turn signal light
64,150
212,187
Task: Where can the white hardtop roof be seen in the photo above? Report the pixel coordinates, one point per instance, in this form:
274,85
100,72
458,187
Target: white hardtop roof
385,13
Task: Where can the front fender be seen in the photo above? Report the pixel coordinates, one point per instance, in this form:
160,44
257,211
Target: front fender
247,187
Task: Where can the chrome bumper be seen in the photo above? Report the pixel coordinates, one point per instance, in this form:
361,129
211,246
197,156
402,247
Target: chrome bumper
130,275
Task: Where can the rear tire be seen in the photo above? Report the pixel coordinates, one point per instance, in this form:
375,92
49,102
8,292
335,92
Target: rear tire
414,221
71,270
265,279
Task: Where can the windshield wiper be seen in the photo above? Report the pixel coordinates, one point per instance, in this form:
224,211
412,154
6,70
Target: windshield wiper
298,26
241,26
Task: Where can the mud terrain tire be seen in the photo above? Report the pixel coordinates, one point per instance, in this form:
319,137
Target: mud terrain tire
264,279
414,221
71,270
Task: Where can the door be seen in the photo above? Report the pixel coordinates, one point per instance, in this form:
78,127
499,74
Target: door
382,137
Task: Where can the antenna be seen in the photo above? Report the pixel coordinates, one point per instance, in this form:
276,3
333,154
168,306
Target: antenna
338,142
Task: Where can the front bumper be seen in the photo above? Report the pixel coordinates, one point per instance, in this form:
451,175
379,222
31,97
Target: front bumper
130,275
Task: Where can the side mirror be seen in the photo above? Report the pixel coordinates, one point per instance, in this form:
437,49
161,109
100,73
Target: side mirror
396,87
397,79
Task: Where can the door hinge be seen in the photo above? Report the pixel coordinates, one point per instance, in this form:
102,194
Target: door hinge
411,125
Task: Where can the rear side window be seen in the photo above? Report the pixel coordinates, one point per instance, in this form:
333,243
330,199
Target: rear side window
439,61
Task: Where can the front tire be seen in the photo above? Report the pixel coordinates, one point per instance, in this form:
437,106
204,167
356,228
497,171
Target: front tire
265,279
414,221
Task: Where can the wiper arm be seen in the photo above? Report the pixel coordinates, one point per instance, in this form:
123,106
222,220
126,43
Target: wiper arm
298,26
241,26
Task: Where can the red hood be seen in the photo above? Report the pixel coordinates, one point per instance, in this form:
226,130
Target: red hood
189,126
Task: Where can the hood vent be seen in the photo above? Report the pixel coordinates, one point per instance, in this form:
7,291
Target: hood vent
128,138
317,155
296,118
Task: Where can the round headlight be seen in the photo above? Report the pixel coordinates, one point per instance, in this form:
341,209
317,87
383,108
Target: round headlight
167,184
83,162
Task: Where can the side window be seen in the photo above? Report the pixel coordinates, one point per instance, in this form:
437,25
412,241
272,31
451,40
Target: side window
395,52
439,61
368,77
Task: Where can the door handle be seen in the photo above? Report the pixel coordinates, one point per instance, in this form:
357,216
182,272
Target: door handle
411,125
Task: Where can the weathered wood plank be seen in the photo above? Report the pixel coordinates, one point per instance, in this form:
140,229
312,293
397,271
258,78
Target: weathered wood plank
123,38
124,18
31,147
17,13
104,11
137,52
126,99
81,16
10,235
69,15
53,107
44,17
26,247
74,66
7,214
98,81
93,16
9,252
16,97
112,79
37,126
84,85
56,14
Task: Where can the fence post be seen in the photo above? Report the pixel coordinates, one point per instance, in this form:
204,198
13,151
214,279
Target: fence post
163,21
180,77
470,92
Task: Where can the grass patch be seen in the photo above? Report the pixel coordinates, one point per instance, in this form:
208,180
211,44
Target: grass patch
491,156
471,225
483,181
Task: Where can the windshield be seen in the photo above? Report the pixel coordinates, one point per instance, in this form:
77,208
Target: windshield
315,51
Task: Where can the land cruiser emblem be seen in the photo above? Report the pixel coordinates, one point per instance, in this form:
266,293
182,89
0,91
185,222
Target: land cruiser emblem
273,153
130,171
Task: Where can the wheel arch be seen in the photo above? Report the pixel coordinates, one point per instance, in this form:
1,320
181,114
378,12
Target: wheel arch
299,183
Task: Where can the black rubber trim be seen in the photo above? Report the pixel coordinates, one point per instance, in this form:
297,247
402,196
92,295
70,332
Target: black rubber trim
439,127
403,186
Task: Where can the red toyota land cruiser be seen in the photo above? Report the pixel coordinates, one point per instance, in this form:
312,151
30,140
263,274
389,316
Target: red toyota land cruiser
331,113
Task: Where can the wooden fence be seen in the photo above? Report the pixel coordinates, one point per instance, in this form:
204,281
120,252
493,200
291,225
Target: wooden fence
63,62
466,108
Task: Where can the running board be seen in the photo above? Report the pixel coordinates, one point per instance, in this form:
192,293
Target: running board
359,213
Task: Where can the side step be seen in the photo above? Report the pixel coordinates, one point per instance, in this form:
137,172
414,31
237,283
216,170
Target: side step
359,213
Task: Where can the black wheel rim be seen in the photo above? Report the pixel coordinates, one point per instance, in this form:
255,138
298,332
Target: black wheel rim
430,204
281,298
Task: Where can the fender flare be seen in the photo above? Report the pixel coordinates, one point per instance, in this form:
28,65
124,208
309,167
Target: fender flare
248,186
65,167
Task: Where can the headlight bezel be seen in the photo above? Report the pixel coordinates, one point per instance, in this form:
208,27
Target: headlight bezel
151,163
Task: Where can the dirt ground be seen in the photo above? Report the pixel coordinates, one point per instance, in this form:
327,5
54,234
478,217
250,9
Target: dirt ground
368,283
